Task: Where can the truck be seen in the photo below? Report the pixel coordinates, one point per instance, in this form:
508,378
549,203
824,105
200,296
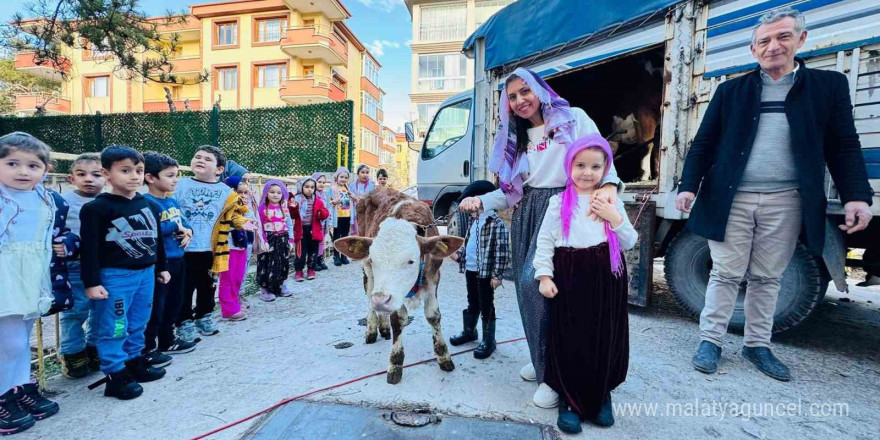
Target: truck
663,58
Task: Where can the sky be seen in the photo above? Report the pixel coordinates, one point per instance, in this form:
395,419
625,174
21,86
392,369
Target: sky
383,26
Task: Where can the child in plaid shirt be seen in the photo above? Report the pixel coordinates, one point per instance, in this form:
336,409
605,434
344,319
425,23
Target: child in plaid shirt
482,259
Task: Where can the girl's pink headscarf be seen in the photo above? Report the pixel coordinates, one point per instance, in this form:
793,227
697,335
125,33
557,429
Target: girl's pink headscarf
570,195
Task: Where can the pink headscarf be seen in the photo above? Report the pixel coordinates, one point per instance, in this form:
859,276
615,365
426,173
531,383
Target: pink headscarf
570,195
559,123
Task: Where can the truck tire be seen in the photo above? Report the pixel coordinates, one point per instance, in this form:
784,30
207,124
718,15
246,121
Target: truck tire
454,221
687,268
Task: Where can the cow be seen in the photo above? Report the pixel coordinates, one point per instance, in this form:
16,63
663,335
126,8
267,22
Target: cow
402,251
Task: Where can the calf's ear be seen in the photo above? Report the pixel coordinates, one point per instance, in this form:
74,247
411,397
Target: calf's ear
354,247
440,246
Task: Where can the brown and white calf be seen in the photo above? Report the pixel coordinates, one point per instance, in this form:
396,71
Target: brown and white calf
401,252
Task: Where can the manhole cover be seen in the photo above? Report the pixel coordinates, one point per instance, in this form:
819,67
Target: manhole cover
308,420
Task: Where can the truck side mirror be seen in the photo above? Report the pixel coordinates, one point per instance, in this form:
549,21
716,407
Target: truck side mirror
410,133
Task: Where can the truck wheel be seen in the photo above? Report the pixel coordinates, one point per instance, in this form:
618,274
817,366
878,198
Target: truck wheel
687,268
454,221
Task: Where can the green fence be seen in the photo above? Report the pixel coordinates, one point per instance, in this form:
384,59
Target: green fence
276,141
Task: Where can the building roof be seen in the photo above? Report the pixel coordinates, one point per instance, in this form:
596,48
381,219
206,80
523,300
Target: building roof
553,25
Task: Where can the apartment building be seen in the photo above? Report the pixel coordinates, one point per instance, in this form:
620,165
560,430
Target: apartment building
439,70
406,160
258,53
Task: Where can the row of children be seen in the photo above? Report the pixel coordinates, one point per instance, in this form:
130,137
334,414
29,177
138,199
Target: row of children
127,264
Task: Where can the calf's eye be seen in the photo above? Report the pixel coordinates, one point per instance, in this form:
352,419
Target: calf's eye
411,262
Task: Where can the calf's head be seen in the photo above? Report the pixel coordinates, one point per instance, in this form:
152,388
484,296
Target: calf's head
394,257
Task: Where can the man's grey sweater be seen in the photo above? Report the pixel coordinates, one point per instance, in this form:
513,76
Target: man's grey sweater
771,162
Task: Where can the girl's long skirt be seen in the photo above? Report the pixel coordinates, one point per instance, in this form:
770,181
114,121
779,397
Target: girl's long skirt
588,339
273,267
527,218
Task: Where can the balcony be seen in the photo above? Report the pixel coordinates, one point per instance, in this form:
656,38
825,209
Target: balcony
333,9
179,105
315,42
311,90
27,62
186,66
27,103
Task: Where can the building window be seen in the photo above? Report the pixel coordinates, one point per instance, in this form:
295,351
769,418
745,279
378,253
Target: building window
369,105
369,141
443,22
227,78
308,71
488,8
309,22
371,70
442,72
426,114
227,34
270,76
270,30
99,87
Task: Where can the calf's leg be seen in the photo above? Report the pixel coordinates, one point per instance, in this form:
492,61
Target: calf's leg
372,318
432,315
384,327
395,365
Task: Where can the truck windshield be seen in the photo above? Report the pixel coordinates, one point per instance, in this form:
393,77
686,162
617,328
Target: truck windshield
450,125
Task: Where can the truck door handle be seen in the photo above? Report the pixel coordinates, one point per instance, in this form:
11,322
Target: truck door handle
467,168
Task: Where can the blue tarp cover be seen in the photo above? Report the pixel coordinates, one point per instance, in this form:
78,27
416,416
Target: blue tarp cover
527,27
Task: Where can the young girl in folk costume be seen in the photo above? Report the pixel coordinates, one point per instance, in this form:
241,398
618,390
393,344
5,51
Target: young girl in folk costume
273,266
321,193
343,215
308,212
27,213
581,269
362,186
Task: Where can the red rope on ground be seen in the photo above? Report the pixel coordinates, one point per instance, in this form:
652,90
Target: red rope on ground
348,382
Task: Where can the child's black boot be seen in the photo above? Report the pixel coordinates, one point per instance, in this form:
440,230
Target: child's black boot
141,371
469,333
336,260
605,418
120,385
32,401
487,345
13,418
568,421
94,359
75,366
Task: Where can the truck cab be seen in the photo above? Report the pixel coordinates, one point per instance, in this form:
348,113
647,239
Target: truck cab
446,156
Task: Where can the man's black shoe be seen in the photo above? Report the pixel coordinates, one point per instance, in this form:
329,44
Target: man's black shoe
763,358
705,360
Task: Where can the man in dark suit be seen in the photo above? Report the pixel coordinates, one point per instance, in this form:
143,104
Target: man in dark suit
758,162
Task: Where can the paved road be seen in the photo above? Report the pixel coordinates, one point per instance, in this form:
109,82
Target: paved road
287,348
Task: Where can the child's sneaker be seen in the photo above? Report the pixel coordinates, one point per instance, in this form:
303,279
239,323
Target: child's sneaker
299,276
13,418
187,331
75,366
156,358
30,399
94,359
206,326
266,296
285,290
240,316
179,346
122,386
142,372
311,274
